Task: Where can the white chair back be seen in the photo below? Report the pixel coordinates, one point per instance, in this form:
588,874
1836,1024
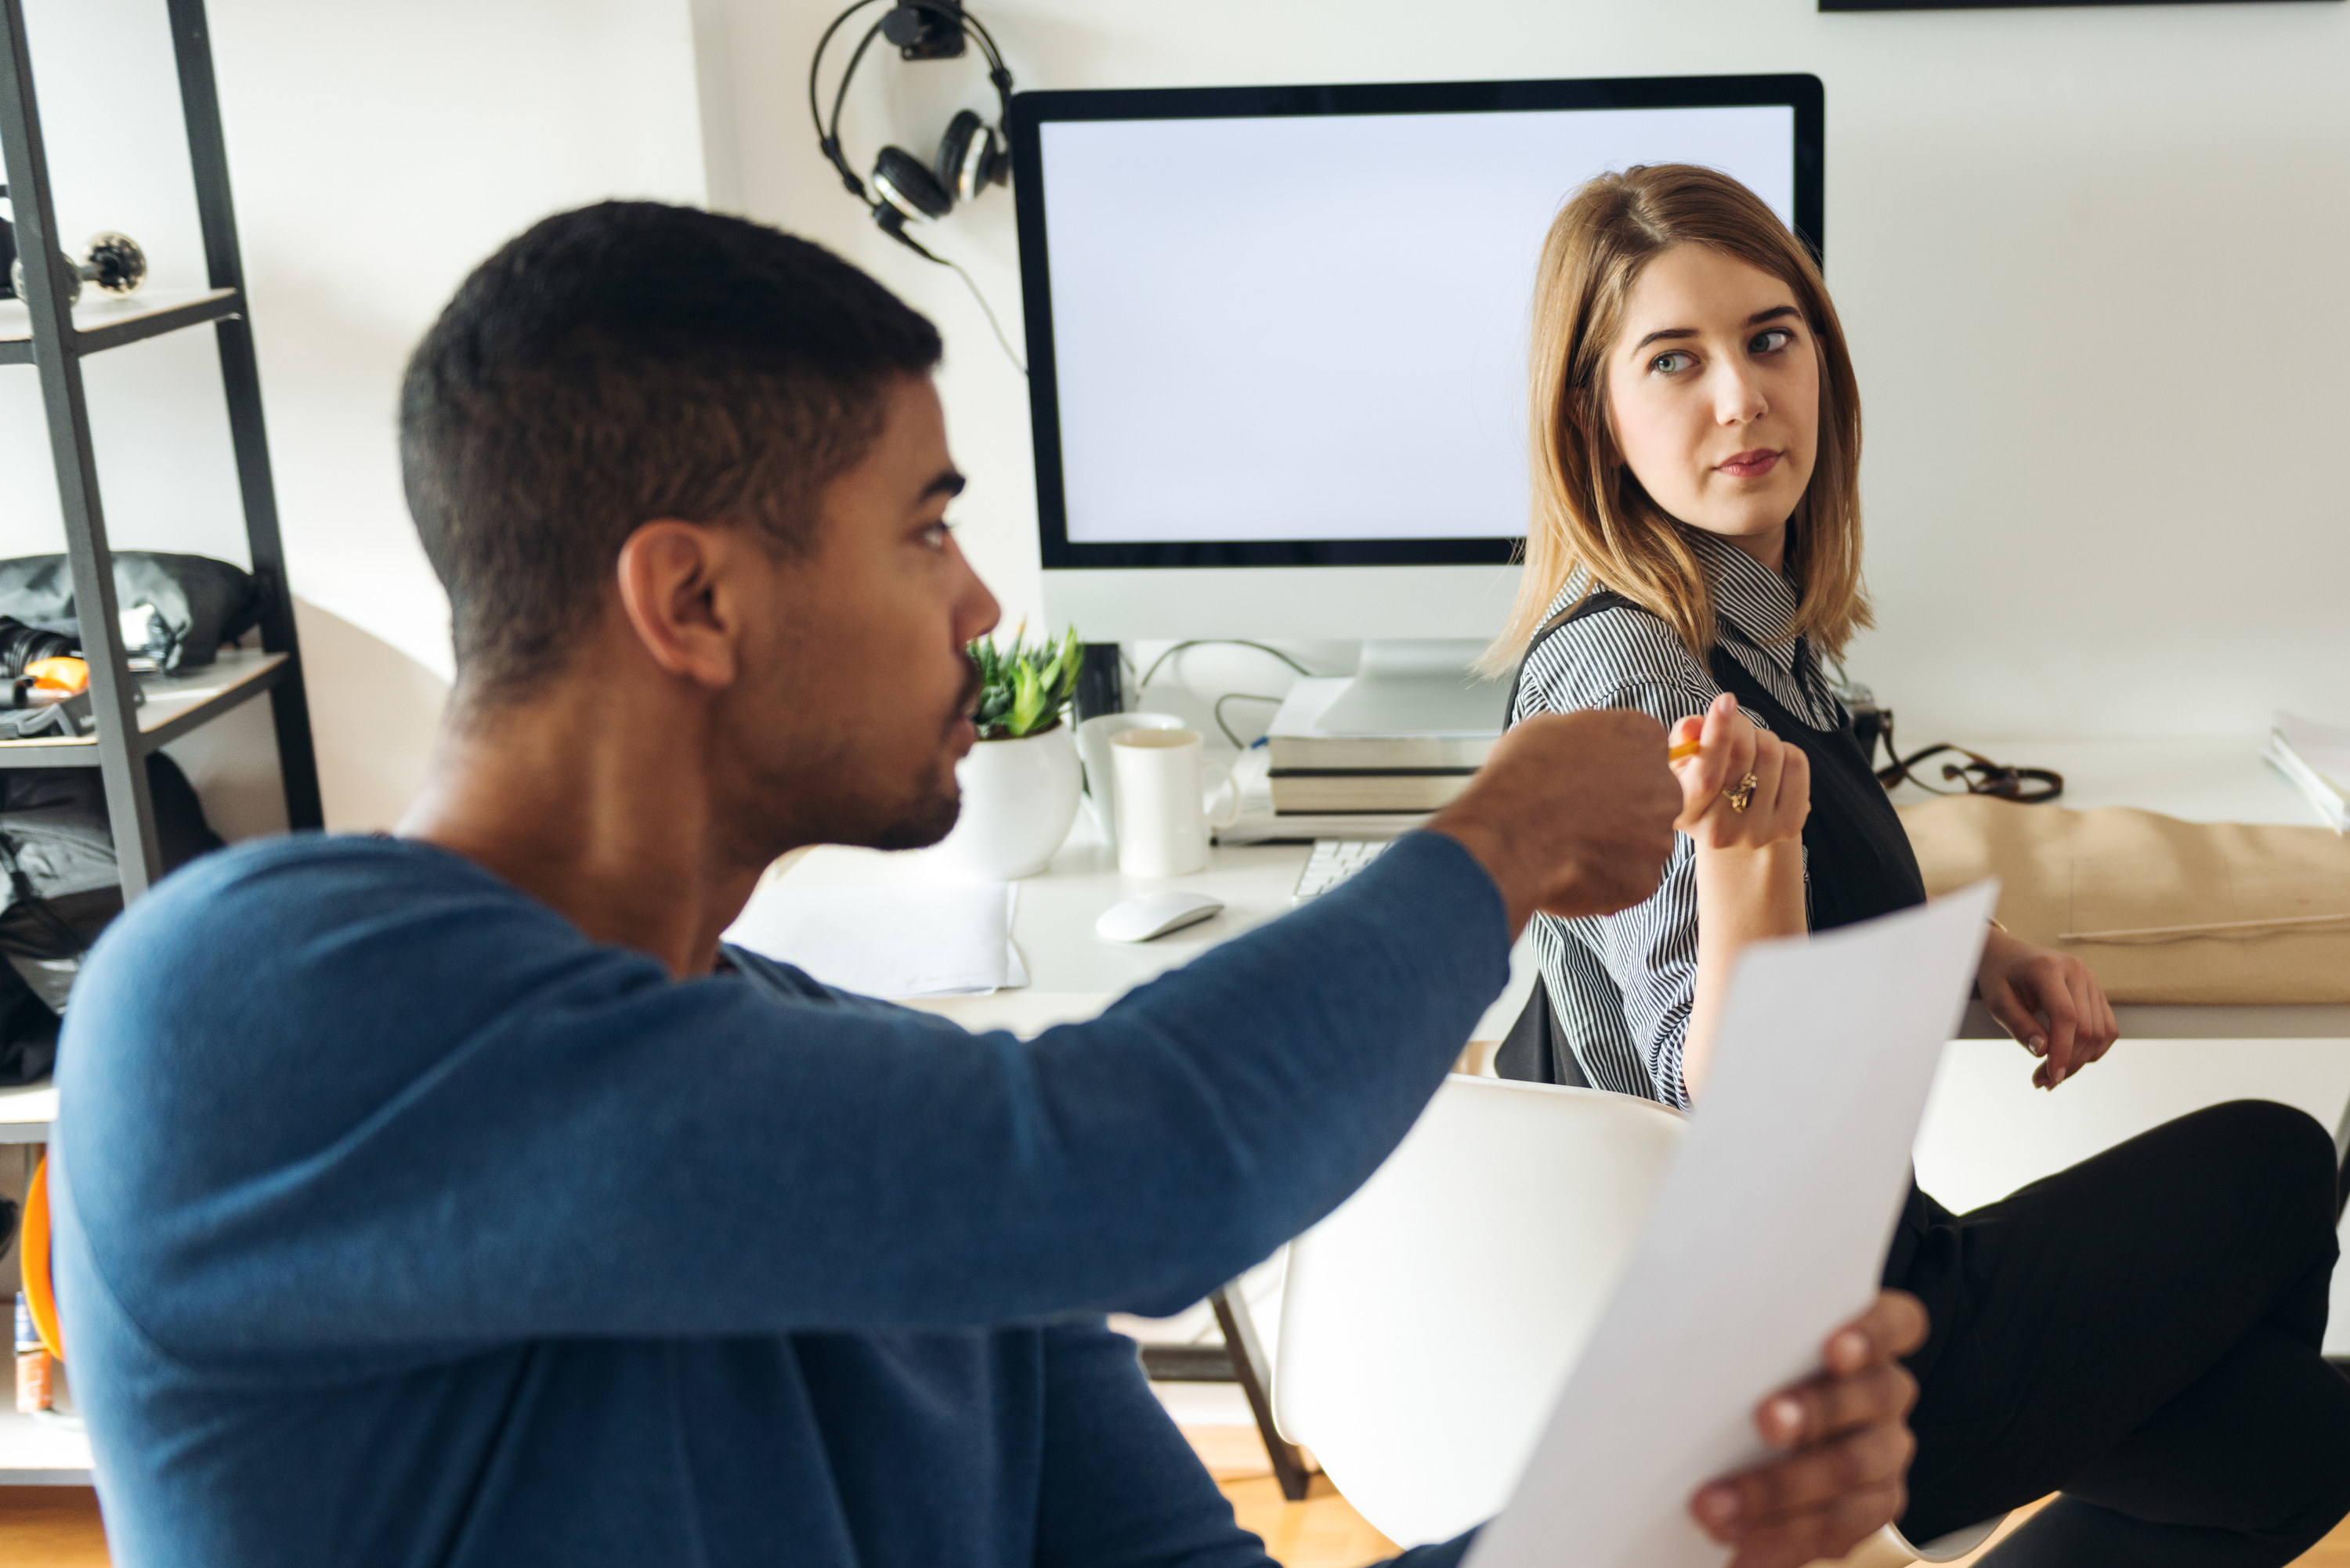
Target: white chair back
1428,1324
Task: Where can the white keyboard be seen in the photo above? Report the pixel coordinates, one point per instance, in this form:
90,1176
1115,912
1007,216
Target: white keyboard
1333,861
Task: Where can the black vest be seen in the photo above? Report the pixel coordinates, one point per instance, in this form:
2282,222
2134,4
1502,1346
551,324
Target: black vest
1858,864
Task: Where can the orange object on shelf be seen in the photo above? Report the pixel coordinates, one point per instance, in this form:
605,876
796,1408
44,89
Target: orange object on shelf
66,677
33,1255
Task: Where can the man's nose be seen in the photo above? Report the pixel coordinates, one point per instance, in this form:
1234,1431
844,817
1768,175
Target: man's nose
976,611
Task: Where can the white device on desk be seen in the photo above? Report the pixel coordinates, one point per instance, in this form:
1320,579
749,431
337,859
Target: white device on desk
1283,408
1331,862
1152,914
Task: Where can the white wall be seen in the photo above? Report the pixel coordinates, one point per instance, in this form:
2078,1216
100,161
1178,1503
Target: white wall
2089,259
378,152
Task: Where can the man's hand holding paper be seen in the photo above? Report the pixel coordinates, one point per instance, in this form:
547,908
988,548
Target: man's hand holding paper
1849,1447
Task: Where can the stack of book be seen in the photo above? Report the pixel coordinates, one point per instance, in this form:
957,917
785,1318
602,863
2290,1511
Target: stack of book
1314,773
2317,759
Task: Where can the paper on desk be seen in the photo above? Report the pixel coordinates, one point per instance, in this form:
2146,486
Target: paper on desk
2325,747
2315,758
1769,1229
948,939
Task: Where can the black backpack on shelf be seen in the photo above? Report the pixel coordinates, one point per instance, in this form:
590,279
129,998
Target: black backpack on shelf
191,604
63,885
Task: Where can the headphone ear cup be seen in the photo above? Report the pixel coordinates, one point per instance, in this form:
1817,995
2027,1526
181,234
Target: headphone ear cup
906,185
968,156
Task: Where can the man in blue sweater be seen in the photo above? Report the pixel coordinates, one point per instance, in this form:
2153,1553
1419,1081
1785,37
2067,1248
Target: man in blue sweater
455,1199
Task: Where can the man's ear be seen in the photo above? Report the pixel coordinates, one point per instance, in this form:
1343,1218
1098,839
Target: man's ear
679,591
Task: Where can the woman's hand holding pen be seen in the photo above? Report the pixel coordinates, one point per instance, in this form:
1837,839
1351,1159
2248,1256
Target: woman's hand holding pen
1742,787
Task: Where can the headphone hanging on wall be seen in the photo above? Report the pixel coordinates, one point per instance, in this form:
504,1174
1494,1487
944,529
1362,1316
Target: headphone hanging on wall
971,156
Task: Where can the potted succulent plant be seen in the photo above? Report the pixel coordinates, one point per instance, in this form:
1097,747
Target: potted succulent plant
1021,783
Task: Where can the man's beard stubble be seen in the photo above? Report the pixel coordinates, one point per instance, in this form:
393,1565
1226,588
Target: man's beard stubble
928,820
924,823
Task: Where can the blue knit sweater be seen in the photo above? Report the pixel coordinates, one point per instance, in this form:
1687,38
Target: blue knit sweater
399,1223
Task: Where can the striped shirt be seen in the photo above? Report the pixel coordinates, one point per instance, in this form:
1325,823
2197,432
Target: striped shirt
1623,984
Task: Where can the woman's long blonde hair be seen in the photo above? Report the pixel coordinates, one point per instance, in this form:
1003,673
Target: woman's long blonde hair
1591,517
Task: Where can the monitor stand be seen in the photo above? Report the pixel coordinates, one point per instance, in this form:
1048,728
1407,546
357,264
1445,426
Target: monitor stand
1418,689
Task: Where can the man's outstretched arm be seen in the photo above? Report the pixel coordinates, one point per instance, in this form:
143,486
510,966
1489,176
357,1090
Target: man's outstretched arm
448,1119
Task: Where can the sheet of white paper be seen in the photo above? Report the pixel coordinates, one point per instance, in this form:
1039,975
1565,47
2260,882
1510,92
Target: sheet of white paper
2324,747
1769,1230
948,939
2313,739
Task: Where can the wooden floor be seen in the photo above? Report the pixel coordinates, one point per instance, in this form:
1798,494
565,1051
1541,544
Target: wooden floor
50,1527
57,1527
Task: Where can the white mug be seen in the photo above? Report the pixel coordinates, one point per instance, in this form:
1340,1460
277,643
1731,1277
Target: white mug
1101,776
1162,821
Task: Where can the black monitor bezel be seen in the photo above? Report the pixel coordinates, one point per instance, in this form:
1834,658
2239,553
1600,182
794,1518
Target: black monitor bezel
1031,110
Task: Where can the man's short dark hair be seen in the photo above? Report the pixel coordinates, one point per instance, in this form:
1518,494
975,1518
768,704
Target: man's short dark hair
621,363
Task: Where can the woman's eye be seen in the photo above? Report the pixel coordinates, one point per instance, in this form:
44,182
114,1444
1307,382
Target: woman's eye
935,534
1671,364
1770,342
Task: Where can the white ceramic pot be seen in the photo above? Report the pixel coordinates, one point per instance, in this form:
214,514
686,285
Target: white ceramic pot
1019,801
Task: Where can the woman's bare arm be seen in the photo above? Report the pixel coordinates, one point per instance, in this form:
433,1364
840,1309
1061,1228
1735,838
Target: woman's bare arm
1750,862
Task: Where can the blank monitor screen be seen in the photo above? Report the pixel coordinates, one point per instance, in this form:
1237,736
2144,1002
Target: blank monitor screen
1300,336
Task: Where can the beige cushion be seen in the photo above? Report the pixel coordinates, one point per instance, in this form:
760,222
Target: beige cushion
2119,869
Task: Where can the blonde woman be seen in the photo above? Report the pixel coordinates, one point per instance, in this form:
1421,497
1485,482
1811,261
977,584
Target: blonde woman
2140,1333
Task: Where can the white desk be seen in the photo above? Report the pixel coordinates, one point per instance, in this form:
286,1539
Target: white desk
1986,1132
1073,974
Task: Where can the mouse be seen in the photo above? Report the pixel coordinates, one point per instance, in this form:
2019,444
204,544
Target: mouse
1138,920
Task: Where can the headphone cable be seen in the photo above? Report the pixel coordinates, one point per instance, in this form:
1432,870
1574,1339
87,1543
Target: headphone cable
1002,342
895,227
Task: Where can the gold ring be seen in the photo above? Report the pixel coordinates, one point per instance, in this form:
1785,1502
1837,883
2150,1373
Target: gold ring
1743,796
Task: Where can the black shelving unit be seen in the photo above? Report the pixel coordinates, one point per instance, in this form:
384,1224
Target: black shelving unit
125,735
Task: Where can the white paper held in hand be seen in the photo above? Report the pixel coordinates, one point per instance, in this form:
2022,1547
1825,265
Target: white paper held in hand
1770,1231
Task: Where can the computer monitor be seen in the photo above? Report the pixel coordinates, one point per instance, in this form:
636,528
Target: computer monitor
1277,336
